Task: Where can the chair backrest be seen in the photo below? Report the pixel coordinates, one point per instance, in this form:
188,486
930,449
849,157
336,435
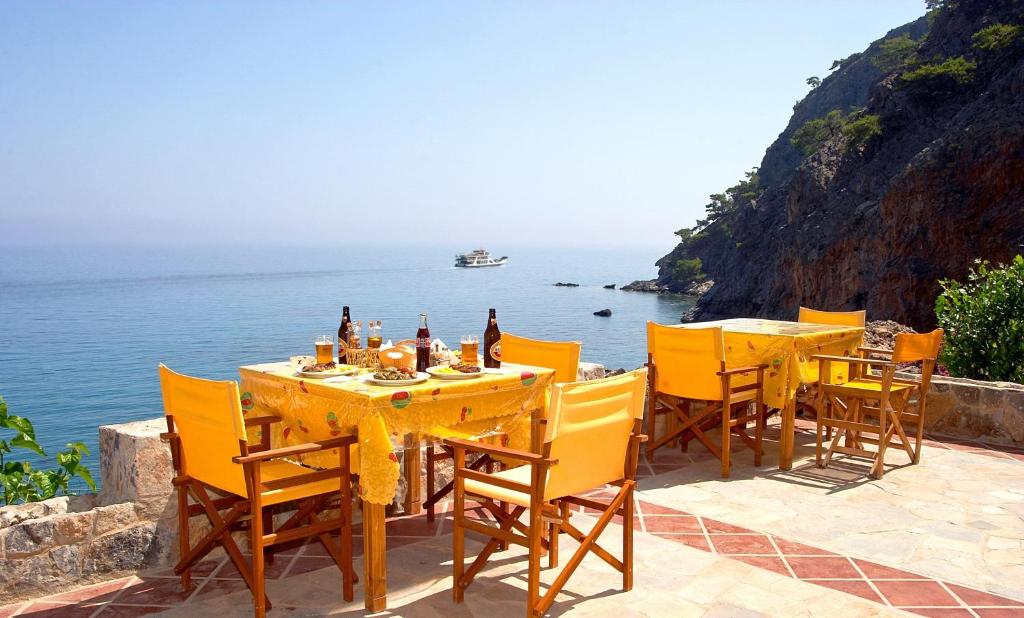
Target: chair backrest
911,348
687,360
834,318
562,356
208,419
588,430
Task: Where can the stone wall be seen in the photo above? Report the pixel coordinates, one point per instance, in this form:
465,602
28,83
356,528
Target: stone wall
66,541
987,411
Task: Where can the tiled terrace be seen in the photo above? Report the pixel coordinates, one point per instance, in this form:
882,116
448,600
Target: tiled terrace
940,539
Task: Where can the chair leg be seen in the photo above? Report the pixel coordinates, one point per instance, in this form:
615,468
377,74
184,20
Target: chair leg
919,437
348,575
533,576
258,569
759,422
818,435
627,541
430,481
183,537
878,469
268,525
726,431
458,534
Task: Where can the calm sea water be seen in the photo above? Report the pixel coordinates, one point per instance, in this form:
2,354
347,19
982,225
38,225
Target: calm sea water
82,330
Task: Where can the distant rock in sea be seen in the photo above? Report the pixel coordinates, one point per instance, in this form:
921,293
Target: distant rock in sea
649,285
604,313
610,286
566,285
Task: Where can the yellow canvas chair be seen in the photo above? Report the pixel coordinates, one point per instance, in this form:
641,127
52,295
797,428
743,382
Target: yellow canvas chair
562,356
210,451
805,396
591,439
876,403
688,365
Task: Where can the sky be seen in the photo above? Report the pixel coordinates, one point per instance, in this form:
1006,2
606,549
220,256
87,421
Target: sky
469,123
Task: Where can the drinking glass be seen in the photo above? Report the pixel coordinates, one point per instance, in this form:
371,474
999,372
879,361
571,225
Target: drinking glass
470,347
324,348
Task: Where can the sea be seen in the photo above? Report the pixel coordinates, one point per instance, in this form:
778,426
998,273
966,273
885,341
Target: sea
82,329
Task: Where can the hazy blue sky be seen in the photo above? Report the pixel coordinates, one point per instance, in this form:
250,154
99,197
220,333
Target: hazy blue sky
467,123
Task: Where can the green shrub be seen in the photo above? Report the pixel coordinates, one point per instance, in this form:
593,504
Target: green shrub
19,481
984,323
861,130
687,271
856,127
958,69
996,36
895,52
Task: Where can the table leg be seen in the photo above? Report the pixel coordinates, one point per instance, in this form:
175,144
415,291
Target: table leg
786,439
413,499
375,568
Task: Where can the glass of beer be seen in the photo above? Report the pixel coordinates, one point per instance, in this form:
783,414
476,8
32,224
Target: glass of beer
470,347
324,349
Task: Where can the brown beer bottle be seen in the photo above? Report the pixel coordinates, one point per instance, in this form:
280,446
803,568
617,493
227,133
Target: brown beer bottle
346,324
422,344
492,342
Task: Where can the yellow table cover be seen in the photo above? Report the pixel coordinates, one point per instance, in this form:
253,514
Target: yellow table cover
381,416
787,348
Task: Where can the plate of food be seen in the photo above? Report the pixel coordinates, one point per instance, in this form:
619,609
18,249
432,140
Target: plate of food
319,371
457,371
395,377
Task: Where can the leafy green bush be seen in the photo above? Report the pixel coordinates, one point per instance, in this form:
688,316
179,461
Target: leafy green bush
957,69
861,130
856,127
20,482
687,271
984,323
996,36
895,52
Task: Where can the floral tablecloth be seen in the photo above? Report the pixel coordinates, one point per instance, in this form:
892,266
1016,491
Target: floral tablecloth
787,348
381,416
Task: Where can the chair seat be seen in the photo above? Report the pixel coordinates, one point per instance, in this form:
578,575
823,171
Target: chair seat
517,475
279,469
867,386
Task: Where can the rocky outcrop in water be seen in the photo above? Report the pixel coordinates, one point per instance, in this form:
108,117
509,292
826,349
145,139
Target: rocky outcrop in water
873,220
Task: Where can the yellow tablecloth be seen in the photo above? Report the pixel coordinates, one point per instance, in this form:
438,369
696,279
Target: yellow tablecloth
381,416
786,347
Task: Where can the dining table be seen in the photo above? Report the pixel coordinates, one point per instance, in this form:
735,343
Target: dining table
787,348
496,404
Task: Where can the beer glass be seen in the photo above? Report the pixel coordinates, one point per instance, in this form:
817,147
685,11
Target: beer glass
470,347
324,349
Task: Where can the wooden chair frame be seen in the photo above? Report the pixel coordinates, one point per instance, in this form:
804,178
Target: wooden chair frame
847,410
434,496
251,510
547,519
694,425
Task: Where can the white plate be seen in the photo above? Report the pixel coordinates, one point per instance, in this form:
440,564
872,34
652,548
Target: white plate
435,372
333,373
420,378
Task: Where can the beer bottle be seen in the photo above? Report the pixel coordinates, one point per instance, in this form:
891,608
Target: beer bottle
346,322
422,344
492,342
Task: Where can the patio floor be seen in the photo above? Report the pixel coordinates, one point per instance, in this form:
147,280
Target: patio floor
940,539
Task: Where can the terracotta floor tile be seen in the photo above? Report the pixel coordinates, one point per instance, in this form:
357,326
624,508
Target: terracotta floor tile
731,544
129,611
42,609
941,612
792,548
100,593
858,588
1000,612
698,541
823,567
715,526
768,563
9,610
911,593
156,591
975,598
218,587
875,571
672,523
650,508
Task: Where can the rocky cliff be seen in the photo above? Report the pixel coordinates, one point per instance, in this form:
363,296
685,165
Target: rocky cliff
917,172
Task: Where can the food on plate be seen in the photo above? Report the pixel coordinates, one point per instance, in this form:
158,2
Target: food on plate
463,368
318,367
392,373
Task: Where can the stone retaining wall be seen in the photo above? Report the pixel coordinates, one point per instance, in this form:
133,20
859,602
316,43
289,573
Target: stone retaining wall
987,411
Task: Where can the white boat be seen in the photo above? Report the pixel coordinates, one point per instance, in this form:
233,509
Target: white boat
478,258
